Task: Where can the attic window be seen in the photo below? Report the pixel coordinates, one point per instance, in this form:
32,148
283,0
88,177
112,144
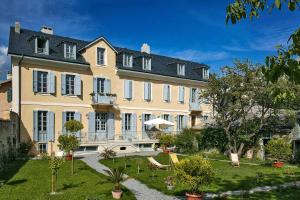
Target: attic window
41,46
127,60
70,51
180,69
205,73
146,63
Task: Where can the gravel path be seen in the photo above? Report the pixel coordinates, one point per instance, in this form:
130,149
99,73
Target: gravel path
140,190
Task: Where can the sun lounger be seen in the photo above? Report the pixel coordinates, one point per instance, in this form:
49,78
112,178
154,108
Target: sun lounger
174,158
157,164
235,159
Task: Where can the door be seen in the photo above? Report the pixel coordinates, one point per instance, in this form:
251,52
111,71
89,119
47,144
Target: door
101,128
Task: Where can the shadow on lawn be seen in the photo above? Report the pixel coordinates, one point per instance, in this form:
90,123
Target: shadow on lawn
11,169
16,182
71,185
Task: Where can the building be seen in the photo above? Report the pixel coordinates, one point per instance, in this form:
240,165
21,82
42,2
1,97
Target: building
5,98
111,90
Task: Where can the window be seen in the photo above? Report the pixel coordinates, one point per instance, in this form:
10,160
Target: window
205,73
167,93
42,125
128,89
42,148
127,121
193,95
181,94
100,85
42,82
70,51
180,122
100,56
147,117
181,69
146,63
166,117
70,116
70,84
147,91
127,60
205,118
101,121
41,46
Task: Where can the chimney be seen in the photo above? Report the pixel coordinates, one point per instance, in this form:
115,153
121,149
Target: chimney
47,30
145,48
17,27
9,75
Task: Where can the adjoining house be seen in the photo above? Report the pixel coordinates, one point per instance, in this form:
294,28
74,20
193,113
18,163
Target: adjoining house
111,90
5,98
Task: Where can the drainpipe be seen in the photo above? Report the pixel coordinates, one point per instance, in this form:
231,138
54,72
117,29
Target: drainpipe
19,95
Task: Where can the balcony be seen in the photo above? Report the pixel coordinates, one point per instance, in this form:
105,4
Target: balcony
195,106
104,99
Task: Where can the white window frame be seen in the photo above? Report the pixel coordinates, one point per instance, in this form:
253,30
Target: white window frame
127,123
205,73
170,91
104,56
146,62
69,51
45,50
47,81
70,86
180,121
150,91
127,60
181,69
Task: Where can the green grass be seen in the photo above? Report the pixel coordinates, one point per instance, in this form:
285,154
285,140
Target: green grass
32,180
284,194
227,177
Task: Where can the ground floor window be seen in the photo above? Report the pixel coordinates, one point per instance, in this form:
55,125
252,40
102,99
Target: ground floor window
128,121
101,121
70,116
42,148
180,122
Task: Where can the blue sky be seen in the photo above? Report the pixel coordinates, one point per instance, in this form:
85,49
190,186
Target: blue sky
190,29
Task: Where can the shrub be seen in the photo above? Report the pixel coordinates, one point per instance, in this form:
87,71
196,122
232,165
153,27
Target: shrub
108,153
24,148
279,149
213,138
187,141
194,172
166,140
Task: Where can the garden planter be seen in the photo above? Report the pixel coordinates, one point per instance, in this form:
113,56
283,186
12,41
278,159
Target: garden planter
116,194
166,151
69,157
193,196
278,164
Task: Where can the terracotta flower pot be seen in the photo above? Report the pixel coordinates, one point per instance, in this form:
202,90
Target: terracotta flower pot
278,164
117,194
69,157
193,196
166,151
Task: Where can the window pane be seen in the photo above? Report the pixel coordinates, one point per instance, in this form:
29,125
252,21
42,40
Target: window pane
100,56
70,84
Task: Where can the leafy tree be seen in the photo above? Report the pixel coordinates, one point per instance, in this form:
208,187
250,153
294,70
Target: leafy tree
213,138
54,164
244,103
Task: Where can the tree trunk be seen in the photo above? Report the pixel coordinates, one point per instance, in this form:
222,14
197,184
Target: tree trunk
72,164
240,151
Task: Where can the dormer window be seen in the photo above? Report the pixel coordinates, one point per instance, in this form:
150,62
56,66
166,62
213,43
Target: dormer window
205,73
180,69
100,56
70,51
41,46
127,60
146,63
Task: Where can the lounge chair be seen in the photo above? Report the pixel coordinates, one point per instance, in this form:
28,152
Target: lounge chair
173,158
157,164
234,159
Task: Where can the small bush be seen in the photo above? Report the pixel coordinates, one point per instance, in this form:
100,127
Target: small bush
166,140
108,153
279,149
194,172
187,141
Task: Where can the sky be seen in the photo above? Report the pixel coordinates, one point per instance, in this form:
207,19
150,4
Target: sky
191,29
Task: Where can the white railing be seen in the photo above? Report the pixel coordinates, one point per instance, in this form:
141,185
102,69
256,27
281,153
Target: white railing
104,98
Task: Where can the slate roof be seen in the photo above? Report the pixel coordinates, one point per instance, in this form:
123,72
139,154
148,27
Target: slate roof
23,44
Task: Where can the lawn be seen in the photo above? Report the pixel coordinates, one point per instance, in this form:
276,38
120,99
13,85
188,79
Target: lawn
32,180
283,194
227,177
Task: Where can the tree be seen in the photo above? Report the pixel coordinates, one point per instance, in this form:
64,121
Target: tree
285,63
244,103
54,164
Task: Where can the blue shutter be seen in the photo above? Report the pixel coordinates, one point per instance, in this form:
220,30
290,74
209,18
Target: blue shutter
126,89
130,89
65,50
77,117
123,124
133,125
181,94
64,119
95,85
111,125
63,84
35,126
166,93
143,120
35,81
108,86
77,85
147,91
51,83
50,126
92,128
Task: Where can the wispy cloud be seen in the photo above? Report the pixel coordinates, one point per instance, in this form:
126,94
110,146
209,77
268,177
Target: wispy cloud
4,60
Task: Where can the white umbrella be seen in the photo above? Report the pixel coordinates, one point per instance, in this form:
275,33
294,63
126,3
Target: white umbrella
159,121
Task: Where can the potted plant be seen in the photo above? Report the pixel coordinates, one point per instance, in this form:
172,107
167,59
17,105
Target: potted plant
116,176
169,181
280,150
166,141
194,172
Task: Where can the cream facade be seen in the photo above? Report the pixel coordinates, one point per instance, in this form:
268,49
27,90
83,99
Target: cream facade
113,114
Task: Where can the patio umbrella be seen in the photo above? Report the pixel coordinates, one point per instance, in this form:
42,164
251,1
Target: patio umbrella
160,122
